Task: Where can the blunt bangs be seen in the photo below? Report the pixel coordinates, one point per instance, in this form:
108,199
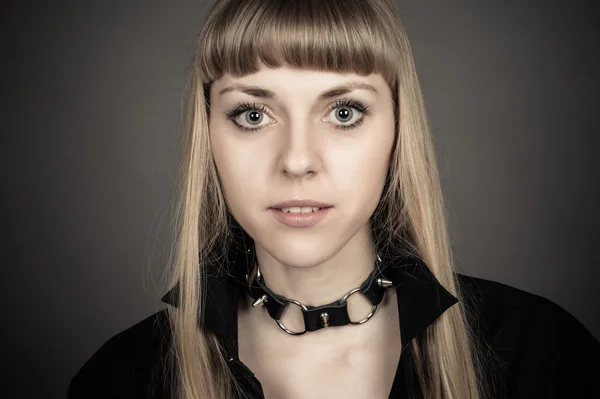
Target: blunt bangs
322,35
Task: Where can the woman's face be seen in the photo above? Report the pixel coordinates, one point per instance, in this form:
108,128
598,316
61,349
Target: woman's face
332,148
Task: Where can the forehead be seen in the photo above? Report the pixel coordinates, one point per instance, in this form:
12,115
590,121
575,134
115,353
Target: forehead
286,81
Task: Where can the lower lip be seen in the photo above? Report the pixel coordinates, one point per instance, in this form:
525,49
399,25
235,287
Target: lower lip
300,219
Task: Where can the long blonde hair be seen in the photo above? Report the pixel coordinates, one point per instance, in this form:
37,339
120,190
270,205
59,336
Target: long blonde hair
357,36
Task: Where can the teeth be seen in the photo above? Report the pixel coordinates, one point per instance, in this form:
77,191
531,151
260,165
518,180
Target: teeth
296,209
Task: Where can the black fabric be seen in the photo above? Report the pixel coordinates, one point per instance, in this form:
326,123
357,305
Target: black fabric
532,347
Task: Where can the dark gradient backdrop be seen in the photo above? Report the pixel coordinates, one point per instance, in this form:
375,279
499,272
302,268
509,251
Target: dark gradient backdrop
90,109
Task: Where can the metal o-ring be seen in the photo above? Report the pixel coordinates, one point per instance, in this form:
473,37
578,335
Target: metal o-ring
373,308
280,324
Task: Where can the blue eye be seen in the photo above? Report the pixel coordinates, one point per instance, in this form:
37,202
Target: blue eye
254,114
344,105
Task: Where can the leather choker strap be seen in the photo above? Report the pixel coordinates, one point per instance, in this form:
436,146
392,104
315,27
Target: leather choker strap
333,314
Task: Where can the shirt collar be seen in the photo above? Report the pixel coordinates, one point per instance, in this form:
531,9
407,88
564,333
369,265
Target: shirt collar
421,297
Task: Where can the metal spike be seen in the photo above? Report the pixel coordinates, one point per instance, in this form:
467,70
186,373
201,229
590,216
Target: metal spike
260,301
325,319
384,283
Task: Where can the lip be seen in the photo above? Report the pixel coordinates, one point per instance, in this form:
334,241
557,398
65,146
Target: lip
301,203
300,219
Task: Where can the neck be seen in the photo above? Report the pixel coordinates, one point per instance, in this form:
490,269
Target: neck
323,282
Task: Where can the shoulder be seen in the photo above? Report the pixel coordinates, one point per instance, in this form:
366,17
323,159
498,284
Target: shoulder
495,300
130,364
536,346
494,304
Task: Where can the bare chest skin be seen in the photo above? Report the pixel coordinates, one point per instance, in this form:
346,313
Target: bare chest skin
354,361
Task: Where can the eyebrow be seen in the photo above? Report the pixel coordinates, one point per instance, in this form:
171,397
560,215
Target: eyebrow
270,95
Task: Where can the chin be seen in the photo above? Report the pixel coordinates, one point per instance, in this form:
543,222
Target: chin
301,250
300,261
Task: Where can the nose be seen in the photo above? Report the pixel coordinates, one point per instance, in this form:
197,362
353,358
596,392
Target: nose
301,151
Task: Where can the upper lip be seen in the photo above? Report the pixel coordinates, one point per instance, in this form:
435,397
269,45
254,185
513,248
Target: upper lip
301,204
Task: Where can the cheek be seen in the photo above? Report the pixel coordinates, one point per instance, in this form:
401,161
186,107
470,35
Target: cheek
237,169
361,172
364,183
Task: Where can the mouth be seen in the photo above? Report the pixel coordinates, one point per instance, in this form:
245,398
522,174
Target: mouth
301,210
300,216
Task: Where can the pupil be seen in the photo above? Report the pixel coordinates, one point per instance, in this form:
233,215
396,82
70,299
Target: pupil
254,116
344,114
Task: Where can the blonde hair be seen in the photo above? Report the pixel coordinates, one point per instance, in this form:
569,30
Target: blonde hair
357,36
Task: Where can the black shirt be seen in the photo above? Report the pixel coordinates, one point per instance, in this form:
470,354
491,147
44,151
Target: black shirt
533,348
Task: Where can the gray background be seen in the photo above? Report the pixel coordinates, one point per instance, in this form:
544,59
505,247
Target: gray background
90,109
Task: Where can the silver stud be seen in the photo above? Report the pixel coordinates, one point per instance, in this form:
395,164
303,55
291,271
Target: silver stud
260,301
325,319
384,283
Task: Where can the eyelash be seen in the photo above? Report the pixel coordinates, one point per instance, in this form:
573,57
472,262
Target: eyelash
243,107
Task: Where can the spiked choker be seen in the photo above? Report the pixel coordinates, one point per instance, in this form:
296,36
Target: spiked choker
333,314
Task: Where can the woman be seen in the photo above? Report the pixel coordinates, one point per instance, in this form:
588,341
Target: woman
312,256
